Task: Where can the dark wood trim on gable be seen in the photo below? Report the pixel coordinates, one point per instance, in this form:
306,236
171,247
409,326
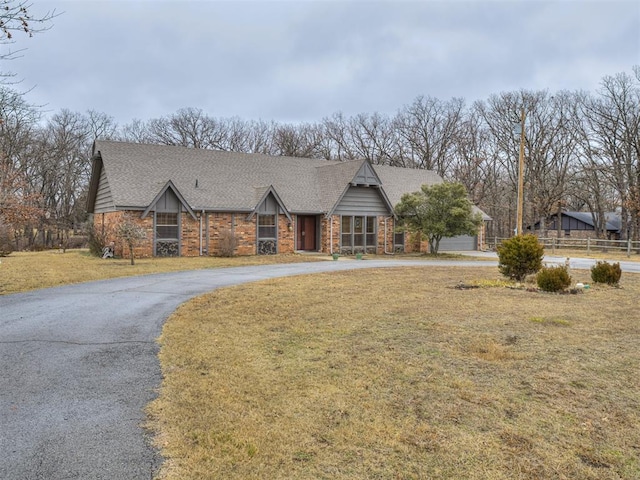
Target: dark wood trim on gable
270,191
177,193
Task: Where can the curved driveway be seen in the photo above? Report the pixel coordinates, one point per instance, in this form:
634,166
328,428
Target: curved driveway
79,363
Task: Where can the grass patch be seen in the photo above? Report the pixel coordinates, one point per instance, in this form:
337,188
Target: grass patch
551,321
595,253
394,374
22,271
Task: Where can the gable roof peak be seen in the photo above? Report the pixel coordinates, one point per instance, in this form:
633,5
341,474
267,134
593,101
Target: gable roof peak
169,186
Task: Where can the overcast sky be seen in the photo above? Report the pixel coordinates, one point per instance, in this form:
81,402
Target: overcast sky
305,60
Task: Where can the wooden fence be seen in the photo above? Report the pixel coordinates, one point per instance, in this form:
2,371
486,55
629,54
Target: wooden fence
588,244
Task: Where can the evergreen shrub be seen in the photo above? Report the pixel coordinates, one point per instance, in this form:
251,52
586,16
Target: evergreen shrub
605,272
553,279
520,256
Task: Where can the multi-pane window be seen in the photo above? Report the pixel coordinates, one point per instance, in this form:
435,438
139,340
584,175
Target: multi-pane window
167,234
398,242
266,226
166,225
371,231
358,233
346,228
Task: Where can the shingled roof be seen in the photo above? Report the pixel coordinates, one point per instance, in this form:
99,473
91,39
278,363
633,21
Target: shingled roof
230,181
612,219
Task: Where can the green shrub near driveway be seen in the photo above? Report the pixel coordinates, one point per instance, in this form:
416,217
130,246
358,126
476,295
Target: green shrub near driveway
520,256
553,279
605,272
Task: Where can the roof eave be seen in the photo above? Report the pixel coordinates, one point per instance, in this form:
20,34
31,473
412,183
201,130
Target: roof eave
96,171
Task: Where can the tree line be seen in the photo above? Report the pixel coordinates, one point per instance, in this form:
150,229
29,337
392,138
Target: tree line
582,152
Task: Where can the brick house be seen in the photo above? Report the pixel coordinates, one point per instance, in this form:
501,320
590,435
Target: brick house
192,202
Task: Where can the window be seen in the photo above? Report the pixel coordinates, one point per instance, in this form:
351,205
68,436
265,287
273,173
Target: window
347,230
167,225
371,231
358,233
266,226
398,242
167,234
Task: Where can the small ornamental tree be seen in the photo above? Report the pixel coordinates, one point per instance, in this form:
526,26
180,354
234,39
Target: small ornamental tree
438,211
520,256
131,233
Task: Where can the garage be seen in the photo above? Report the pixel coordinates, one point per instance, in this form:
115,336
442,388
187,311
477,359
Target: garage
461,243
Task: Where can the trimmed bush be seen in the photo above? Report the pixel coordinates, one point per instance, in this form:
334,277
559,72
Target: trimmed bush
605,272
520,256
553,279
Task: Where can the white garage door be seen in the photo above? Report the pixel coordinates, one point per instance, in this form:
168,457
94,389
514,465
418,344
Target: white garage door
461,243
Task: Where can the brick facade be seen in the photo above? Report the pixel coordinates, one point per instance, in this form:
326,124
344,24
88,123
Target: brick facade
189,235
286,235
415,243
330,234
105,224
218,229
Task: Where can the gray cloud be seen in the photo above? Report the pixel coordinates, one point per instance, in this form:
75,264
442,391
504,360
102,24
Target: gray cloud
302,61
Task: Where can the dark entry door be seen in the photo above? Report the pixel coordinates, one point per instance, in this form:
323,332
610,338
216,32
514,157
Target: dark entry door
306,232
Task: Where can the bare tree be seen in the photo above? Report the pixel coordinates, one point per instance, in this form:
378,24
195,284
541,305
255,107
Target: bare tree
19,203
549,148
429,128
300,140
16,17
336,130
131,233
613,120
588,184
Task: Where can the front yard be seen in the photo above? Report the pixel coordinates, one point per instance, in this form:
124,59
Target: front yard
395,373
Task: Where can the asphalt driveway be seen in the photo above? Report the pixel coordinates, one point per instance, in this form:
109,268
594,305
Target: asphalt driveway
79,363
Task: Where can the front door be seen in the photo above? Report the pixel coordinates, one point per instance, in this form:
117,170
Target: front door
306,233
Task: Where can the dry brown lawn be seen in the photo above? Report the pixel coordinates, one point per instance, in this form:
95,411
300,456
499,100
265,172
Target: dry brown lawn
598,254
23,271
396,374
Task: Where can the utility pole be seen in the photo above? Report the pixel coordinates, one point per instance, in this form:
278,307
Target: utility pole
520,176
